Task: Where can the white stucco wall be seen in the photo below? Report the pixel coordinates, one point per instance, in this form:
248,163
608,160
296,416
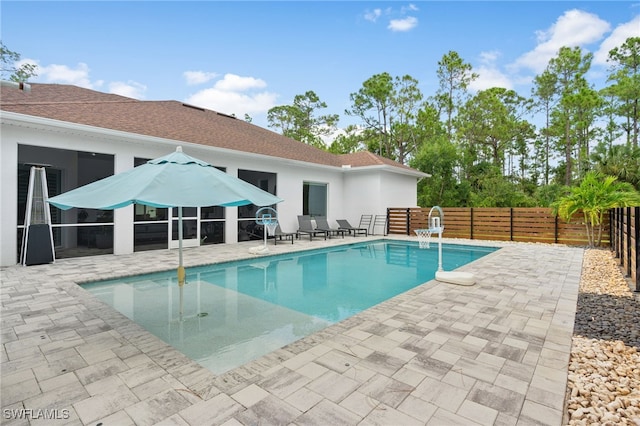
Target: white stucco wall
398,190
8,197
362,194
372,190
351,192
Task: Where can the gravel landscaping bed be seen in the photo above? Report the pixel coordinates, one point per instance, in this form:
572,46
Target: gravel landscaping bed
604,369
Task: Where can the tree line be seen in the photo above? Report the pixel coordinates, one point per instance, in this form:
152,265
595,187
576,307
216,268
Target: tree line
482,149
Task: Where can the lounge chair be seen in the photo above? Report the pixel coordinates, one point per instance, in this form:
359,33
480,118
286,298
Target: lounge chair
305,227
345,225
279,234
323,225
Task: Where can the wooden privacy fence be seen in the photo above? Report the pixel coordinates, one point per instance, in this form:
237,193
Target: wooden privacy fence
503,224
625,236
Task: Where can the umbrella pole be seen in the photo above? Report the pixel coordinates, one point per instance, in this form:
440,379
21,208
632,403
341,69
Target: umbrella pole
181,272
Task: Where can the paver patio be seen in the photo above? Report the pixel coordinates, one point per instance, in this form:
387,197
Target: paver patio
495,353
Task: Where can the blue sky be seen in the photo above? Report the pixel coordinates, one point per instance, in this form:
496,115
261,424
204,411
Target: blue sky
246,57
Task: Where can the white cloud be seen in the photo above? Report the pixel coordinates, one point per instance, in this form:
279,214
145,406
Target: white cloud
198,77
489,57
236,95
404,24
54,73
617,38
233,102
79,76
399,24
328,139
489,75
372,15
411,7
573,28
25,61
130,89
234,82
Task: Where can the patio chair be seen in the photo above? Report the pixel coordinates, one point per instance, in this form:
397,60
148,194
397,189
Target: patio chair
365,222
380,221
344,224
279,234
323,224
306,227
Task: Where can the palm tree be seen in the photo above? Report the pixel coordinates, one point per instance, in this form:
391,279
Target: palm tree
621,161
596,194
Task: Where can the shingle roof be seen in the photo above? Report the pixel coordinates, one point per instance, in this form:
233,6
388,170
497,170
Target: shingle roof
367,158
170,120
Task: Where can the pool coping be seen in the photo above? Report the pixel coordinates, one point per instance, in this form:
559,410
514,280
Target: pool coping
289,379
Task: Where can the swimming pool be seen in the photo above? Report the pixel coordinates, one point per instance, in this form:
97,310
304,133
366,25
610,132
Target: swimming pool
235,312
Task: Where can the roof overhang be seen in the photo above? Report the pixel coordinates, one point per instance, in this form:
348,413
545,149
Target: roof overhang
385,168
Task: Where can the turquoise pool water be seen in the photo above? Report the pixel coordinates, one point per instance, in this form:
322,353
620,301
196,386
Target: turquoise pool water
235,312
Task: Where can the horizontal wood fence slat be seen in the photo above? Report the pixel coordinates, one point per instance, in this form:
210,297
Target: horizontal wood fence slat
501,224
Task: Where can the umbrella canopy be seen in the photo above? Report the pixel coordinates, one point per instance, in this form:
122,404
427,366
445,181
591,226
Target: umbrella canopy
175,180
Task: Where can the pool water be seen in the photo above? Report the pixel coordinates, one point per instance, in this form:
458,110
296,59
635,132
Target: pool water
235,312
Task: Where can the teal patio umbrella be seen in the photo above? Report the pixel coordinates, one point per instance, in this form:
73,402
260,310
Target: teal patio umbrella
175,180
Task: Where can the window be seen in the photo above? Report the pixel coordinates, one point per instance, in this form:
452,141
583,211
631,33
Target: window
247,227
314,199
263,180
76,232
150,224
151,230
212,225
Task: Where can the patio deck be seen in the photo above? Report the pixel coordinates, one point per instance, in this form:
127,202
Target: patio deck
495,353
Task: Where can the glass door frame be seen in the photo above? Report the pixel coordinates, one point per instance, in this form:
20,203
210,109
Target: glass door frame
193,241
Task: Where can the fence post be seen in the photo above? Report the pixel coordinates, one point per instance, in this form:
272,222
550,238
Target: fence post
614,227
408,221
621,231
628,241
387,226
611,222
555,229
471,223
511,223
637,235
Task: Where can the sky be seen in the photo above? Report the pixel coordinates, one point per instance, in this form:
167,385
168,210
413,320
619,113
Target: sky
246,57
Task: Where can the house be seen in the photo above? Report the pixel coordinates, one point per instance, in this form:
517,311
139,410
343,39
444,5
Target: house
81,135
